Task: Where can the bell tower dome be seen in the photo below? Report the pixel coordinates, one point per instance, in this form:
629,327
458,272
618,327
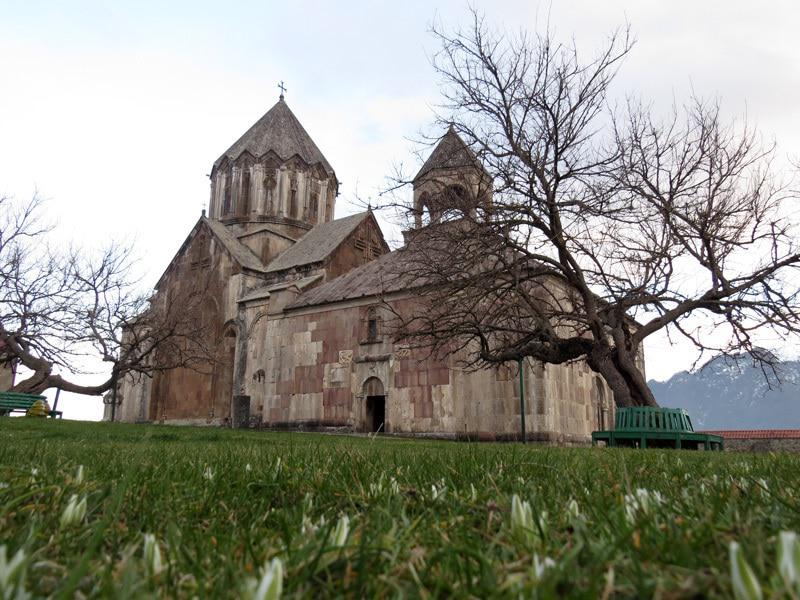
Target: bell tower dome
451,183
273,174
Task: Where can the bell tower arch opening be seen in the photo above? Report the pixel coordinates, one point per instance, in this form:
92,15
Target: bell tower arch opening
375,406
452,184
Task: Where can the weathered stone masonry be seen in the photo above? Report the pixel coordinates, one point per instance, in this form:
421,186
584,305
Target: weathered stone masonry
313,368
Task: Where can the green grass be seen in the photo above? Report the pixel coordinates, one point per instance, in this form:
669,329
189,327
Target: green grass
218,521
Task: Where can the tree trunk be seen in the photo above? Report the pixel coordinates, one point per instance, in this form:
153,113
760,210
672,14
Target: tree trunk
35,384
623,377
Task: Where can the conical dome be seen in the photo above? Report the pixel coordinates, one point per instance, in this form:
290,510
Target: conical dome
276,174
278,131
452,181
450,153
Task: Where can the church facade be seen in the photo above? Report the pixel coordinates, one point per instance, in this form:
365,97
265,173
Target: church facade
296,305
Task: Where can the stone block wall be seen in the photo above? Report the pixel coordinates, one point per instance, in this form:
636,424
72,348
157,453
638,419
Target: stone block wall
309,368
203,394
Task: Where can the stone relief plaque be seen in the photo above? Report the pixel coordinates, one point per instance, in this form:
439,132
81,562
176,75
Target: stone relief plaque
345,357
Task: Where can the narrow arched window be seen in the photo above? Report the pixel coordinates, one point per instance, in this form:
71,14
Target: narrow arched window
373,323
244,204
372,330
293,208
314,207
226,202
269,190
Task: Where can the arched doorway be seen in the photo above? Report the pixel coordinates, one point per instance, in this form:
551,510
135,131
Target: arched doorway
375,414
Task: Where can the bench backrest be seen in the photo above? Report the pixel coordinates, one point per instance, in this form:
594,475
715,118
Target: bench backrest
647,418
10,400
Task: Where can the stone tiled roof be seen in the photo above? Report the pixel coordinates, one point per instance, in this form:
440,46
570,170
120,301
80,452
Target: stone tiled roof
380,276
391,272
264,292
450,153
317,244
241,253
278,131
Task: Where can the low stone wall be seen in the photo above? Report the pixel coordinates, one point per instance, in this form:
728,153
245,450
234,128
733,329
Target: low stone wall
761,440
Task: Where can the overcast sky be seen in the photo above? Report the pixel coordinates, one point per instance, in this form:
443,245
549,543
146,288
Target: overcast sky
116,111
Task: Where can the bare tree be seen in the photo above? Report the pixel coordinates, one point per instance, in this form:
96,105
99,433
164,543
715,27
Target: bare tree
604,225
60,308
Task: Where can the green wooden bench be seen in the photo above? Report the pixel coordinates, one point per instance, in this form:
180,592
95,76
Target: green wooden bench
649,427
19,402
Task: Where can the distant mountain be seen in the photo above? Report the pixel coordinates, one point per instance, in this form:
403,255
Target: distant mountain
734,394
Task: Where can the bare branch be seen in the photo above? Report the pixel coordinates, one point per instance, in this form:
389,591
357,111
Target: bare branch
596,227
61,307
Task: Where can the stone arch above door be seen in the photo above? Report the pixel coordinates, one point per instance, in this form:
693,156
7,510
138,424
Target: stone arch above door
373,386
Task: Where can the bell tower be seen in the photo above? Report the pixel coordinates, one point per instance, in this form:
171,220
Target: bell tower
451,184
274,174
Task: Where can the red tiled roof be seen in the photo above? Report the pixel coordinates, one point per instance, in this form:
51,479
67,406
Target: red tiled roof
750,434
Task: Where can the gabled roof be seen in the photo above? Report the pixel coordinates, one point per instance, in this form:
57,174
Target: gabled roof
241,253
317,244
262,229
402,270
238,251
450,153
394,271
280,132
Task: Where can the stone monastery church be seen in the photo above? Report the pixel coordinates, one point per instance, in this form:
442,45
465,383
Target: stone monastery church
295,300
